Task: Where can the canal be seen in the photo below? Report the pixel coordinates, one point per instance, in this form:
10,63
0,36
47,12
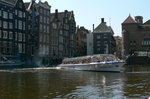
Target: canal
51,83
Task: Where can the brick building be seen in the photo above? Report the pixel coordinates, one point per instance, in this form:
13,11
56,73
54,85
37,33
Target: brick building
136,35
81,41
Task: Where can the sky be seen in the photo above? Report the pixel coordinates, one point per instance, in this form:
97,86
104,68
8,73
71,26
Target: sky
89,12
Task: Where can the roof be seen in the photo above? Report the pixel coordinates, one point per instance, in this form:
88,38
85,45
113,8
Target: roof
61,15
147,22
12,1
129,19
101,28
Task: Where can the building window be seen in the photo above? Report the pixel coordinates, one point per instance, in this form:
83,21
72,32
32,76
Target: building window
16,24
5,34
20,24
45,12
0,13
16,36
5,25
0,23
40,18
47,20
47,29
47,39
5,48
40,38
24,48
10,35
44,38
29,27
10,25
44,19
23,25
44,28
20,14
60,32
41,27
48,12
5,14
98,49
98,44
16,12
54,25
146,42
24,37
41,10
20,47
10,16
20,37
132,43
24,14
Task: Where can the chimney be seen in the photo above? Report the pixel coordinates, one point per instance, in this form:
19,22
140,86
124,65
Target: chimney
56,13
93,27
102,20
139,19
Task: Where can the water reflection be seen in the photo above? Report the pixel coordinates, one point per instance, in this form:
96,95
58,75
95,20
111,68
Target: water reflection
63,84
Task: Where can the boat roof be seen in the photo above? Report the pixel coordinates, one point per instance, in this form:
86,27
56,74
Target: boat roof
93,57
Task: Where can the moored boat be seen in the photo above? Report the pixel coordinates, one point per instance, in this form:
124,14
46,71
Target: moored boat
100,62
10,64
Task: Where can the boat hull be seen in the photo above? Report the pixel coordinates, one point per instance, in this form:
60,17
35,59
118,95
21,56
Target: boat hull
102,67
11,65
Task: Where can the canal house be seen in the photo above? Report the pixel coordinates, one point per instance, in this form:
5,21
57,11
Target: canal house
12,29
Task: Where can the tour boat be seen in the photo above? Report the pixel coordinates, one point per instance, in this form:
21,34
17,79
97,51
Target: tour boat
6,63
100,62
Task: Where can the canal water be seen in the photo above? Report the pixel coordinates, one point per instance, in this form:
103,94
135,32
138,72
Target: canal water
51,83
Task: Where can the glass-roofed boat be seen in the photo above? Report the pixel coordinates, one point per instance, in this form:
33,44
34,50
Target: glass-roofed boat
99,62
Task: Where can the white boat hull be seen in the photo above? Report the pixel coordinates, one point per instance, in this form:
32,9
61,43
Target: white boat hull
103,67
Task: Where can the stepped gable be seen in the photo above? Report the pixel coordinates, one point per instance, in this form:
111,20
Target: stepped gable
129,19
